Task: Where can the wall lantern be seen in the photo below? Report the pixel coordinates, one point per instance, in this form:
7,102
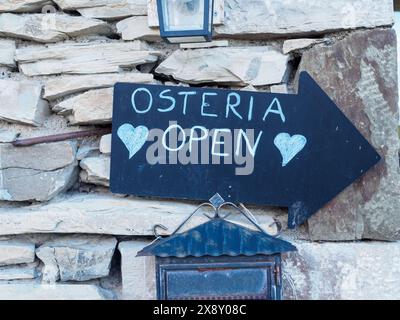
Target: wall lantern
185,21
218,260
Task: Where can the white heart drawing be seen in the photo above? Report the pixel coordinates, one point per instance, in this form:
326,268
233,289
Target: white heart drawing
133,138
289,146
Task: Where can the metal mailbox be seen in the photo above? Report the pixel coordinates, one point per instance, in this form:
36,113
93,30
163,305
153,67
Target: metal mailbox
219,260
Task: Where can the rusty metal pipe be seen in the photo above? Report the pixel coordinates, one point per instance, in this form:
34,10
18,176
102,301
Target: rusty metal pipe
61,137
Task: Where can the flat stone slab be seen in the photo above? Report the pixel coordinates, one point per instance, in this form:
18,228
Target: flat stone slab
105,9
137,28
7,136
83,58
91,107
15,252
107,214
87,150
44,156
50,167
21,102
59,87
257,66
96,170
7,52
138,273
47,28
298,44
76,258
18,272
301,18
105,144
16,184
22,5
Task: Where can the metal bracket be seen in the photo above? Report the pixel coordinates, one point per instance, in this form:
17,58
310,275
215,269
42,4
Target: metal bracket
216,202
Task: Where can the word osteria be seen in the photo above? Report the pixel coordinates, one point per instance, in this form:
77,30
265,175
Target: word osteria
234,104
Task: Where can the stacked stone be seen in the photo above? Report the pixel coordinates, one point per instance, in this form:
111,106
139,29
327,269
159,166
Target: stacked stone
58,222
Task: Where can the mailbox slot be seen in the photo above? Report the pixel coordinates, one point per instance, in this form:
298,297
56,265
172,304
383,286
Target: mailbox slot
219,278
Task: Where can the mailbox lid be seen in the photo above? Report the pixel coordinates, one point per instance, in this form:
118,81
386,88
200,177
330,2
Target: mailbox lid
217,237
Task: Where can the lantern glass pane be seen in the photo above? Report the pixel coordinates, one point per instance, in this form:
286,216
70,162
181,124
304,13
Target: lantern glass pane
181,15
236,283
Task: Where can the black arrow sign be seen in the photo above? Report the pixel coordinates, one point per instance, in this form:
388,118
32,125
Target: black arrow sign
295,151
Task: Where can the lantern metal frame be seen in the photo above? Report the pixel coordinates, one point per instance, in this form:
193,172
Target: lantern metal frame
205,33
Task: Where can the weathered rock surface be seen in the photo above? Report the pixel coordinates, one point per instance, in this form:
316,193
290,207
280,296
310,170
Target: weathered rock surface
35,291
7,136
50,168
359,74
76,258
138,279
15,252
118,10
21,102
83,58
345,271
276,17
87,150
18,272
297,44
137,28
22,5
61,86
105,214
7,52
16,184
237,66
45,156
91,107
105,144
96,170
49,27
50,271
105,9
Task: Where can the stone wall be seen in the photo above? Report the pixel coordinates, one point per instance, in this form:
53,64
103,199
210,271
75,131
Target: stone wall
63,235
